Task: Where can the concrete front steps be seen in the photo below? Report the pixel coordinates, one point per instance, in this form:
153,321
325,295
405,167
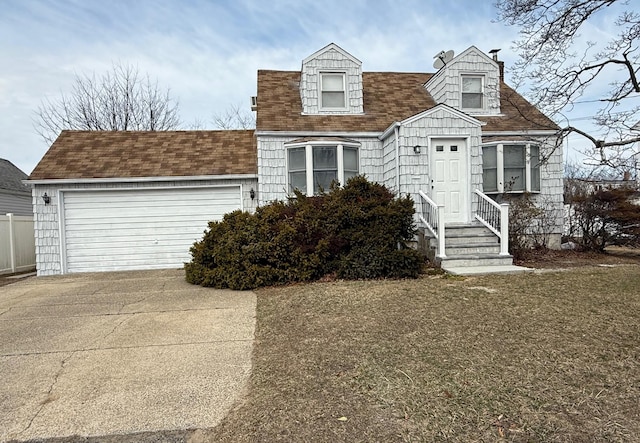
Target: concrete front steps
472,249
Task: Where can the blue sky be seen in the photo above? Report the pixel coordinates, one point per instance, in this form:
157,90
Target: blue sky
208,51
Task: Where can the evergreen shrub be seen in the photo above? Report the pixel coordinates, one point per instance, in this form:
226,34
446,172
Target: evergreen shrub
358,231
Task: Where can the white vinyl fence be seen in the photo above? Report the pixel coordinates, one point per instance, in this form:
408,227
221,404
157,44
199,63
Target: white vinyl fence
17,244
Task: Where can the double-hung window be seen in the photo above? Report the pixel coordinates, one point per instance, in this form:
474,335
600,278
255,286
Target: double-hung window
297,169
511,167
325,166
333,90
313,167
472,92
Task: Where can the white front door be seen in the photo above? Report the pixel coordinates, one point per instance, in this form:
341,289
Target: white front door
450,178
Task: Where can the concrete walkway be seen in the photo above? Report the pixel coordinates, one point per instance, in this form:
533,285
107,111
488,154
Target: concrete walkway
119,353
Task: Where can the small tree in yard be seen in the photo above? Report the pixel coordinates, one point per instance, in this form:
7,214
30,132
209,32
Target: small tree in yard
530,224
358,231
608,217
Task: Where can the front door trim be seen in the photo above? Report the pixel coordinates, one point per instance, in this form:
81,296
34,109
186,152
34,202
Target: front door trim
464,143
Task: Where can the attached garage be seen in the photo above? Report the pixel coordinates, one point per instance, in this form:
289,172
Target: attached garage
108,230
129,200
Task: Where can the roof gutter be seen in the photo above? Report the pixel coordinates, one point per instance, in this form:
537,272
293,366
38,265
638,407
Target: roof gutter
525,132
387,132
346,134
62,181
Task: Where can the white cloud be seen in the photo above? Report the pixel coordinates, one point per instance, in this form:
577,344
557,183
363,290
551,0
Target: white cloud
208,52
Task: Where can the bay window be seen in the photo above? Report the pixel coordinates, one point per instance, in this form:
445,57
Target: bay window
297,169
312,167
325,166
511,167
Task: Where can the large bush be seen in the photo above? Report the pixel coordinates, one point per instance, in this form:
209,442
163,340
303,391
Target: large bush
358,231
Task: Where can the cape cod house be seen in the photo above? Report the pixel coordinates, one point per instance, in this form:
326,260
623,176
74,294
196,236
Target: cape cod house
454,140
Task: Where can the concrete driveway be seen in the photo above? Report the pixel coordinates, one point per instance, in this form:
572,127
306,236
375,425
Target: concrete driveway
119,353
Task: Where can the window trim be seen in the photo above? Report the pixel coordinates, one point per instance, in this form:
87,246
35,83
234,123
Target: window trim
310,191
500,178
321,91
483,88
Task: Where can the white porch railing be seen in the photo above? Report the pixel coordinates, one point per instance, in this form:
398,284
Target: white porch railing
495,217
432,215
17,244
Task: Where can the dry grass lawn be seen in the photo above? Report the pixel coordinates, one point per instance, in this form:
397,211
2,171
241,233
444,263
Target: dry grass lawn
545,357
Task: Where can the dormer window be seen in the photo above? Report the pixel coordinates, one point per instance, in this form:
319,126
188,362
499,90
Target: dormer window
472,92
332,87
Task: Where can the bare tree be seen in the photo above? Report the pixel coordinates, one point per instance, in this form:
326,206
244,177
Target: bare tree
559,69
120,100
234,118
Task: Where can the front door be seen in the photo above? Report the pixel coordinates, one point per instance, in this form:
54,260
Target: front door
450,178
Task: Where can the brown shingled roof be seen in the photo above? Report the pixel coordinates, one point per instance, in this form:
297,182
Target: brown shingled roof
518,114
127,154
388,97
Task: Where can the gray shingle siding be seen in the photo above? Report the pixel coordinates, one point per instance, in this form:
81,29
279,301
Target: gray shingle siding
47,222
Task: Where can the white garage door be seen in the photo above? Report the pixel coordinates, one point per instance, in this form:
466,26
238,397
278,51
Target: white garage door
139,229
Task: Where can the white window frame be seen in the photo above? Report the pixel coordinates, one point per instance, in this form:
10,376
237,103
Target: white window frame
528,166
343,74
483,92
309,161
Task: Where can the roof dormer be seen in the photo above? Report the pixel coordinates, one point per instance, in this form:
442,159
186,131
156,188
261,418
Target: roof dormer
331,82
470,82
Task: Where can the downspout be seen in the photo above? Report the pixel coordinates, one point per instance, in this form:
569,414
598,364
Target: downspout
397,135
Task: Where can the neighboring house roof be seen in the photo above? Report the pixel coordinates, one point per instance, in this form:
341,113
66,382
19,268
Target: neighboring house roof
11,177
388,97
128,154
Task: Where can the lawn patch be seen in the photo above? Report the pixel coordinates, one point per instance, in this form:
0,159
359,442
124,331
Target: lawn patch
536,357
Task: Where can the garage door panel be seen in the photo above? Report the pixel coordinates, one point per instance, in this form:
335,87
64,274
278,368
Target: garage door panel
115,199
150,211
141,233
111,222
134,238
149,220
160,208
130,242
139,229
115,226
